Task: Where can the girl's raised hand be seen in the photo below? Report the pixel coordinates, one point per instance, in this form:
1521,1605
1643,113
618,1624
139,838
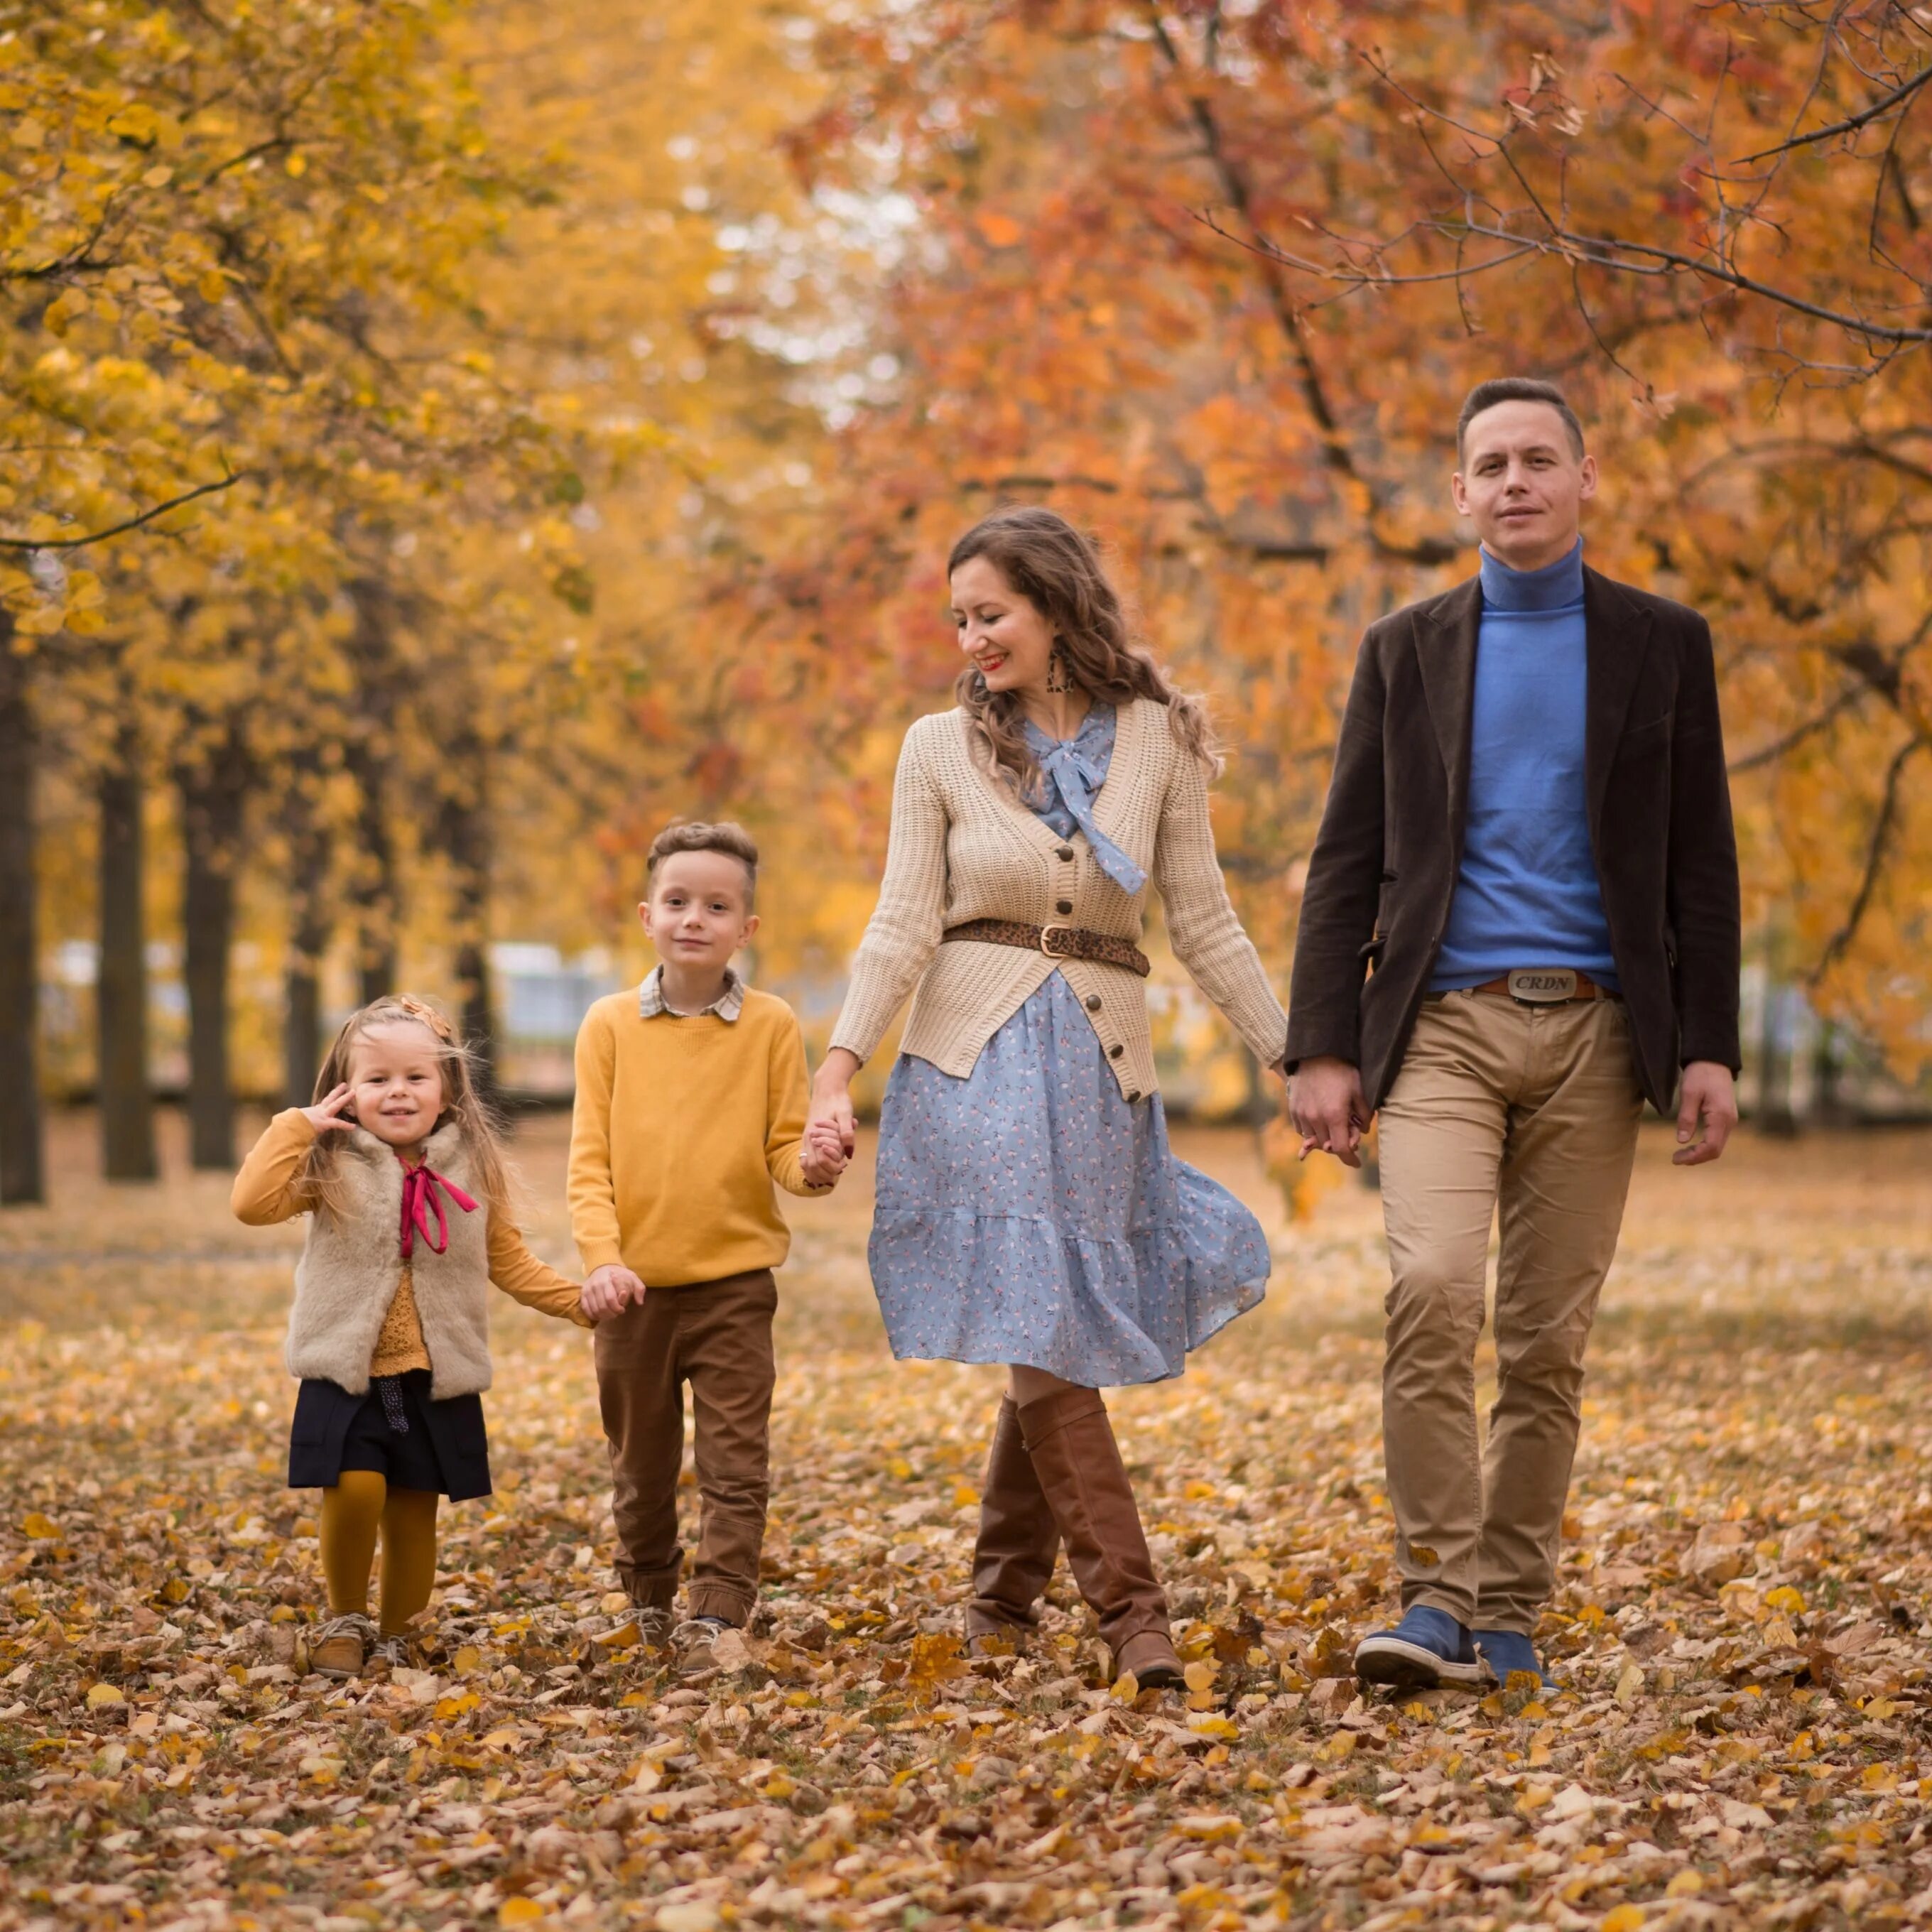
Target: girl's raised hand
332,1110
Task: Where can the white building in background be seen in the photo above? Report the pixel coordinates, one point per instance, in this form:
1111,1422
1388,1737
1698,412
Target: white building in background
540,997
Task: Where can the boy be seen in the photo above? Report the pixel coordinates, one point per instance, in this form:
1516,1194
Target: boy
690,1102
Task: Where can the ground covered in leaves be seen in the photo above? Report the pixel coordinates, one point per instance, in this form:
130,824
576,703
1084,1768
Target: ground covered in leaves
1741,1736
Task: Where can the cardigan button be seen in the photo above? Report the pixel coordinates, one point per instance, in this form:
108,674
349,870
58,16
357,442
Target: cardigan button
1093,1002
1062,905
1066,853
1132,1097
1114,1052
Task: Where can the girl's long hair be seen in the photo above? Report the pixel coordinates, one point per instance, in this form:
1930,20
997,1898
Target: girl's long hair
1057,569
319,1183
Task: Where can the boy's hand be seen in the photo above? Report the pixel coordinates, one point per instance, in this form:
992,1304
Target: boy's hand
610,1289
823,1158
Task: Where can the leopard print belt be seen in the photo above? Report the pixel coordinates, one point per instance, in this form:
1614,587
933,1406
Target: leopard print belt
1056,942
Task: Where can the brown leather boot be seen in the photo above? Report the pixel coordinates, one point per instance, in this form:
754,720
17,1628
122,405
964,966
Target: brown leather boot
1074,1454
1013,1556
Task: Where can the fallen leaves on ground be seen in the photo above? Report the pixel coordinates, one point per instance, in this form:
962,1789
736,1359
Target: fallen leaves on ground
1740,1735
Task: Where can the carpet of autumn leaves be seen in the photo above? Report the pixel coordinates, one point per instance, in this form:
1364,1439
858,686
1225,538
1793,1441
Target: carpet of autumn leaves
1741,1738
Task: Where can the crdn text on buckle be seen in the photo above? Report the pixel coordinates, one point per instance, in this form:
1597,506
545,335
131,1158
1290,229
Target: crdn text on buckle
1045,941
1543,985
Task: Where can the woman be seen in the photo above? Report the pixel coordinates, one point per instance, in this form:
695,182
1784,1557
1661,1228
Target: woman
1029,1211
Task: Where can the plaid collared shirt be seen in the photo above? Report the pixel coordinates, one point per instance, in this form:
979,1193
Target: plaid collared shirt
728,1006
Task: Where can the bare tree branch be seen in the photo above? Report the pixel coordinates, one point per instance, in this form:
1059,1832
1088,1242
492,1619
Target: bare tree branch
1839,942
1770,753
1857,121
121,529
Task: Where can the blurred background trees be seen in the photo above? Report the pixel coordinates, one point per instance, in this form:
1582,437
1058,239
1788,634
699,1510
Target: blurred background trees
440,443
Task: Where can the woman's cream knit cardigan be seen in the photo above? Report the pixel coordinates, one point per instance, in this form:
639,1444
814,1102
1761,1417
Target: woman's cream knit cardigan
963,847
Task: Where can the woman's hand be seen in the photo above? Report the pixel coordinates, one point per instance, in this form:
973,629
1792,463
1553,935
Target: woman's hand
335,1109
822,1157
831,1098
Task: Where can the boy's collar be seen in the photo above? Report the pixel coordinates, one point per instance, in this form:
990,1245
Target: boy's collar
728,1006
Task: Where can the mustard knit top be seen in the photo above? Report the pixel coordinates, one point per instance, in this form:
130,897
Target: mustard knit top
683,1125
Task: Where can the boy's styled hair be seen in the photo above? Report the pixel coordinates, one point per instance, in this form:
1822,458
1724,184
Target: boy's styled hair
733,841
462,1103
1516,389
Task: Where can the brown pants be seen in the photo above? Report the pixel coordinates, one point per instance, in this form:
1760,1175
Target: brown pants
717,1335
1534,1108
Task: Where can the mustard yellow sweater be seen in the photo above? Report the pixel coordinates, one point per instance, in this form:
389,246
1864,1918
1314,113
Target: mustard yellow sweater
682,1124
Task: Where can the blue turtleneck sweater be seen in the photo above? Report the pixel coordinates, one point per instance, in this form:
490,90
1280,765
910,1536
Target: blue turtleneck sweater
1527,894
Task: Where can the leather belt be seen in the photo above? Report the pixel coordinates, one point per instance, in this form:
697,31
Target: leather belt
1546,986
1056,942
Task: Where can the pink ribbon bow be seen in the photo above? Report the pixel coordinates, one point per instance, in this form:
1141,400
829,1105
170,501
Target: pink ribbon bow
420,1201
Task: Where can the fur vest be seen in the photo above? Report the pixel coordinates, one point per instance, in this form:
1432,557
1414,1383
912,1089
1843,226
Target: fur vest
351,1264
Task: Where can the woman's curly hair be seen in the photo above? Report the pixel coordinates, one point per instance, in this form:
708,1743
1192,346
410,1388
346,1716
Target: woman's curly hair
1057,569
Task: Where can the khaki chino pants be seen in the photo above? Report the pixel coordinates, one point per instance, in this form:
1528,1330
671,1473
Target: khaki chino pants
1533,1110
717,1335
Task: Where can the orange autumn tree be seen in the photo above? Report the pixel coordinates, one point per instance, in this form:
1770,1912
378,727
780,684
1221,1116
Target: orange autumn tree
1732,203
1207,278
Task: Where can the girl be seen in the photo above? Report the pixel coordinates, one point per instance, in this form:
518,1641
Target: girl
399,1167
1028,1210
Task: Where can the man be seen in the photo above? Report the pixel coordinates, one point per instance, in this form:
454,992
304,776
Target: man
1521,920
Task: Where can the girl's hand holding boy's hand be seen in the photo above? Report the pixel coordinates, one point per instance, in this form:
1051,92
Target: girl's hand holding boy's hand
610,1289
822,1159
335,1109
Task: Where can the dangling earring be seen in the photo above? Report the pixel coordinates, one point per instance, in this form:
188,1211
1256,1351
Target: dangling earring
1059,673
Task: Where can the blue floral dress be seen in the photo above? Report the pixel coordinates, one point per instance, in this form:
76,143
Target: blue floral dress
1029,1213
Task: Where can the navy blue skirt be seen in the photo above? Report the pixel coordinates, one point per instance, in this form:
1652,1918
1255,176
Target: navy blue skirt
445,1447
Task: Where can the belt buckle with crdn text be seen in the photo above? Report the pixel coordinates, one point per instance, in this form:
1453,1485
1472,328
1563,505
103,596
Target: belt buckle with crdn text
1543,985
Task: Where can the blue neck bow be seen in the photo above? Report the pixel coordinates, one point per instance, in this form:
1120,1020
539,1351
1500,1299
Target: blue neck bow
1076,775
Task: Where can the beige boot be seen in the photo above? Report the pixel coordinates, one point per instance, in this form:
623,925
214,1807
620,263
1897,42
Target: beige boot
1013,1555
1071,1445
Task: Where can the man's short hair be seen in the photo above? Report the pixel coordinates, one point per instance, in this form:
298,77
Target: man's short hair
733,841
1516,389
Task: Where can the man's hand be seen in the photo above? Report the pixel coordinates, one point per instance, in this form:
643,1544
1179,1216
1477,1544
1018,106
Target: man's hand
610,1289
1324,1102
1707,1111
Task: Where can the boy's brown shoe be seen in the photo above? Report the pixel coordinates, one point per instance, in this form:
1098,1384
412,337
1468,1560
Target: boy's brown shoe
694,1641
339,1646
654,1627
392,1650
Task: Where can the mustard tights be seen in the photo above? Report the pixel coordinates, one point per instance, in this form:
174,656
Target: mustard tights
361,1506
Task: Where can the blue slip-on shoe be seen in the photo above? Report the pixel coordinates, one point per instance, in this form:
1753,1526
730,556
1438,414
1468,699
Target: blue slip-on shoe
1509,1653
1427,1650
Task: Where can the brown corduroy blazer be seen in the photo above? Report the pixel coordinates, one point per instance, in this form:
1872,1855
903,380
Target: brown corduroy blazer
1386,859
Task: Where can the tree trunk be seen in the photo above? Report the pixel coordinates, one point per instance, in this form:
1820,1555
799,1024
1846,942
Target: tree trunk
376,962
126,1101
463,829
308,939
369,753
22,1173
213,791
